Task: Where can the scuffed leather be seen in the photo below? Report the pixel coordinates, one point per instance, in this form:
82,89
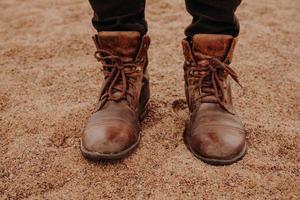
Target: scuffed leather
111,129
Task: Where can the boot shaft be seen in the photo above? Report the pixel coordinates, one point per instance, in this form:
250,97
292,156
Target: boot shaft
206,69
124,59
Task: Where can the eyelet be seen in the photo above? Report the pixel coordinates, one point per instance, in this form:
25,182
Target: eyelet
138,69
203,63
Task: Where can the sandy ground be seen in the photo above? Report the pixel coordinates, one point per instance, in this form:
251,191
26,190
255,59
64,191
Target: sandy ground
50,84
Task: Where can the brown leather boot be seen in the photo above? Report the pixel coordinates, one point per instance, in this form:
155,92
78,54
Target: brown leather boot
214,134
113,130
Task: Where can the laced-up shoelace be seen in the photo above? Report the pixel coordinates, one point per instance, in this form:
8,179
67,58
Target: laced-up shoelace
119,76
210,77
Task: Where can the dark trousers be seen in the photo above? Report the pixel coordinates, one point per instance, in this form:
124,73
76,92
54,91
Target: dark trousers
209,16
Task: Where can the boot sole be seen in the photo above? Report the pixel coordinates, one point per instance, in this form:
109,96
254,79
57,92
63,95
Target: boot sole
96,156
213,161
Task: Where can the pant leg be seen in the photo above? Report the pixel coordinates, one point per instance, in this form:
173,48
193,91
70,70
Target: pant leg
213,17
119,15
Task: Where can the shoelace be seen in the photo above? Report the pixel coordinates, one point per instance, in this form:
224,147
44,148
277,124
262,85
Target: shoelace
210,82
119,76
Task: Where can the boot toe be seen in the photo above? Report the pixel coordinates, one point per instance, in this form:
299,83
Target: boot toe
110,139
222,146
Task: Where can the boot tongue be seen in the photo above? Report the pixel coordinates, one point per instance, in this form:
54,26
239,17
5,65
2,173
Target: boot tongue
123,44
211,45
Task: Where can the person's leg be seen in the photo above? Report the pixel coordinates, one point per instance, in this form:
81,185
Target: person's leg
215,134
213,17
113,130
119,15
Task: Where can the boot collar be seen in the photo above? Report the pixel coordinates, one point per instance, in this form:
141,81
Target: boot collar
213,45
122,44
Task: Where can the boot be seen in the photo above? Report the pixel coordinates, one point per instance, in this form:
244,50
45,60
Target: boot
214,134
114,128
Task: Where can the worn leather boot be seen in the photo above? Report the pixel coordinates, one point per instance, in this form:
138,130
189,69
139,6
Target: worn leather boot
214,134
113,130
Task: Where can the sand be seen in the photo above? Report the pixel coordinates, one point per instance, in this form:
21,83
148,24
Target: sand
50,84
